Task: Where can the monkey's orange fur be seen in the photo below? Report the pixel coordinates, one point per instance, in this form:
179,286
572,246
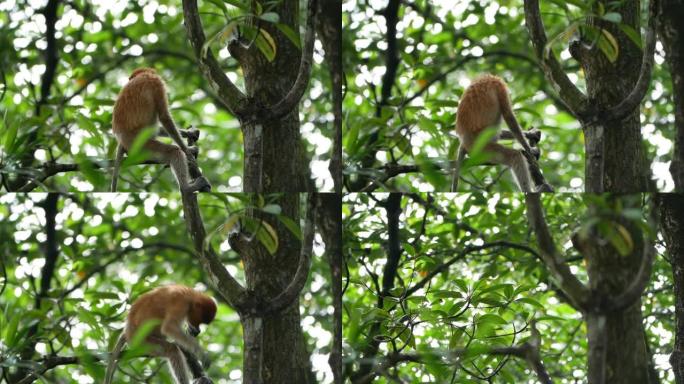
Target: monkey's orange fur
481,106
139,104
142,102
170,304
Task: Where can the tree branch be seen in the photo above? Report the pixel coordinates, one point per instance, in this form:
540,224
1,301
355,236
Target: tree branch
574,99
228,93
293,290
578,294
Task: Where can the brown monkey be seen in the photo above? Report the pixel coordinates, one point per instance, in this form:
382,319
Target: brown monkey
140,104
172,306
483,104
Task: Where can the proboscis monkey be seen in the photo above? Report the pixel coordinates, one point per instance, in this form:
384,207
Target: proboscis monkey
483,104
140,104
171,306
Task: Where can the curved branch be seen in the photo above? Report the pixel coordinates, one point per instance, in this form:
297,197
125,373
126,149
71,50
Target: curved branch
578,294
633,100
293,290
290,101
636,288
229,288
575,100
230,95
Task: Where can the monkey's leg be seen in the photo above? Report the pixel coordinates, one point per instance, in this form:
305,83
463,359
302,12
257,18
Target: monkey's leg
515,160
457,167
174,354
194,365
176,360
175,157
117,164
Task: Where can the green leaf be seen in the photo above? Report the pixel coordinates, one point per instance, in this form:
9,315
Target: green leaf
491,318
271,17
266,44
291,226
608,45
563,36
273,209
290,34
632,34
268,237
612,17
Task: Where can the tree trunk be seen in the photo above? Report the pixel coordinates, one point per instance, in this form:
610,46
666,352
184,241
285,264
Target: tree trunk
672,36
275,160
620,335
614,147
672,221
285,358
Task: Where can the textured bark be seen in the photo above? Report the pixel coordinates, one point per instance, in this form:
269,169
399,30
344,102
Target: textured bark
672,221
275,160
672,37
625,167
285,358
618,352
329,223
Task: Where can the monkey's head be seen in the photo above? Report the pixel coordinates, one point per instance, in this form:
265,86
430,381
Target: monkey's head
141,71
203,311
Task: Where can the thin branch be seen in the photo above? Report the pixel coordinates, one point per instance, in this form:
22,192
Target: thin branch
461,254
229,94
229,288
575,100
636,288
578,294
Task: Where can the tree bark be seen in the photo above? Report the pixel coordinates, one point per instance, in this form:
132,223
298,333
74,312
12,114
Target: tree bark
285,358
618,352
625,167
672,222
672,37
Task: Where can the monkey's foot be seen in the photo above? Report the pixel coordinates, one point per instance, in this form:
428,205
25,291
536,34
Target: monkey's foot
202,380
200,184
192,134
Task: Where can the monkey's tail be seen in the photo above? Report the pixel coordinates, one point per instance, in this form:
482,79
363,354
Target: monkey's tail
111,366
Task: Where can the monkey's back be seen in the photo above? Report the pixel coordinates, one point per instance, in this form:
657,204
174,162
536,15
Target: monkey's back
480,107
136,105
157,304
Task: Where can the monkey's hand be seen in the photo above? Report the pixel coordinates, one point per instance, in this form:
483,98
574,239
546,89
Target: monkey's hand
200,184
193,331
534,151
192,151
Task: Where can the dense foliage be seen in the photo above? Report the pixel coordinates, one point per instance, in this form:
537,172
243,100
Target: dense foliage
112,248
469,279
402,94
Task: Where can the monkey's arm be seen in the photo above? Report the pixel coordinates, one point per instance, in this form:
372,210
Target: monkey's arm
172,328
